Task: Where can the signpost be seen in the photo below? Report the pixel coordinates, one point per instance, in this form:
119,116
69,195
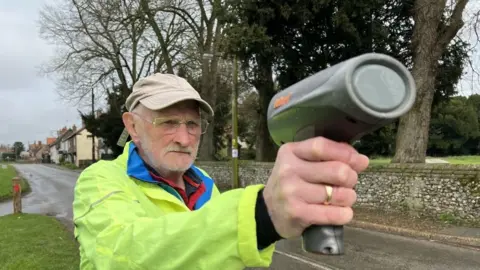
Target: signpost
17,195
236,182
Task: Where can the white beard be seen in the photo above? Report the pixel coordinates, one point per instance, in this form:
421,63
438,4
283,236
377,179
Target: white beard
147,148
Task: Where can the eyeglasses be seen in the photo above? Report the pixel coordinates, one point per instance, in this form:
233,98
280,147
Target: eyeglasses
170,125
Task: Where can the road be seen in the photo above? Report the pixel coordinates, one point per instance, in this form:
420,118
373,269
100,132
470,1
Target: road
52,191
375,250
53,194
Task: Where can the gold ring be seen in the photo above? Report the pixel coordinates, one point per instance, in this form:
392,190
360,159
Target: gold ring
329,190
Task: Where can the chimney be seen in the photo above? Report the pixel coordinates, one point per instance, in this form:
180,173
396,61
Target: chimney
74,128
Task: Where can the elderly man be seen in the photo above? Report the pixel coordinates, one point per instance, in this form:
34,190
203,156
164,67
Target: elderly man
152,208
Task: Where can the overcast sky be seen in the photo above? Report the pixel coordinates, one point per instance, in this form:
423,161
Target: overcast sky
30,109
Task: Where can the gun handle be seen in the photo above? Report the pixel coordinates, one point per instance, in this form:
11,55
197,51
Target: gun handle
324,240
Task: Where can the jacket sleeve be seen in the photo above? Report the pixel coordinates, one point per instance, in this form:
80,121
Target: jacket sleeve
116,233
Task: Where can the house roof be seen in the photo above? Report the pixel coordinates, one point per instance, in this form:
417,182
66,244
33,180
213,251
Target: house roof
74,133
51,140
62,136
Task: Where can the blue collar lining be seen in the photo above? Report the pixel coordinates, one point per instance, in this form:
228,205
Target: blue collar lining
136,168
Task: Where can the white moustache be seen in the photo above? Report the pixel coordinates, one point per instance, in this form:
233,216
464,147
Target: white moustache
179,149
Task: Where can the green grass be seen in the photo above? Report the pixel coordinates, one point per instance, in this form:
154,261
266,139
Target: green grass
463,160
379,160
6,176
30,241
452,160
69,166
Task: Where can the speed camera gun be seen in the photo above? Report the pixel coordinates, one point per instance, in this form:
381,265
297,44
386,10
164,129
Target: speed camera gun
341,103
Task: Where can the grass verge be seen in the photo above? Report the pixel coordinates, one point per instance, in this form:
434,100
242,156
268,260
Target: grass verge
31,241
6,176
452,160
463,160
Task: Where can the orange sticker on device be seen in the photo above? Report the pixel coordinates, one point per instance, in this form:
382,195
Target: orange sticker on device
281,101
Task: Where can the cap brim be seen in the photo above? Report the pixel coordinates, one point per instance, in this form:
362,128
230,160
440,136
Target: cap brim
158,102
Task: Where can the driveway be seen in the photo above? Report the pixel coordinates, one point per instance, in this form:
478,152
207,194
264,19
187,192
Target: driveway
53,194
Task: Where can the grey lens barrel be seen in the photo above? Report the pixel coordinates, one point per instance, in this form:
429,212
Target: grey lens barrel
343,101
379,87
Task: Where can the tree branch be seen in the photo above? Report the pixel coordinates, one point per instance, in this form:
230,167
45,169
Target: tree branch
455,23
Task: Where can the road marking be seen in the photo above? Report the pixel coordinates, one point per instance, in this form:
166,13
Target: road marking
300,259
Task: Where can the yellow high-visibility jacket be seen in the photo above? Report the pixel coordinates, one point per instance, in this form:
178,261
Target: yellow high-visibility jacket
124,221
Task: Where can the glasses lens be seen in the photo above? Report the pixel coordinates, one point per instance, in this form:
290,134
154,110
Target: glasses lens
194,127
170,126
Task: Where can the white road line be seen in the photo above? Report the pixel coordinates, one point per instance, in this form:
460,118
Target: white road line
300,259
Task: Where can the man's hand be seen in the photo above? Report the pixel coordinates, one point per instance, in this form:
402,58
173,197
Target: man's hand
295,191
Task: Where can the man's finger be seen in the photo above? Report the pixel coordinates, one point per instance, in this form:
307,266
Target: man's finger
361,161
333,173
317,194
314,214
322,149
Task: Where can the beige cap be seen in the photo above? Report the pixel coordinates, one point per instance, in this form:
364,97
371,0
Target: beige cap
159,91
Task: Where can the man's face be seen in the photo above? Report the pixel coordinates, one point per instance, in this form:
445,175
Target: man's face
168,148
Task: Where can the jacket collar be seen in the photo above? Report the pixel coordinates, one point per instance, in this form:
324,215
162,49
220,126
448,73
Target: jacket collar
135,168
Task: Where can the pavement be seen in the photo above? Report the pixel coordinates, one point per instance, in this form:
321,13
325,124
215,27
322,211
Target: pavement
460,236
368,246
436,160
463,232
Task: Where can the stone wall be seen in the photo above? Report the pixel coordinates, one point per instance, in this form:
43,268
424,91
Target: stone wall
432,189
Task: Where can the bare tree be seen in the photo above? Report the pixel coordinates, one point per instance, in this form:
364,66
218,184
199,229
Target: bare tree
436,24
205,30
101,43
470,83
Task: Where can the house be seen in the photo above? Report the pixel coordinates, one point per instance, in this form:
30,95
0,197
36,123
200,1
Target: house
78,147
39,151
50,141
5,149
35,150
63,149
104,152
56,146
24,155
42,153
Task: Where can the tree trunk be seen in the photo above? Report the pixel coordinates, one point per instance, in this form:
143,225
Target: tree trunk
266,149
210,45
207,147
412,136
429,41
205,151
